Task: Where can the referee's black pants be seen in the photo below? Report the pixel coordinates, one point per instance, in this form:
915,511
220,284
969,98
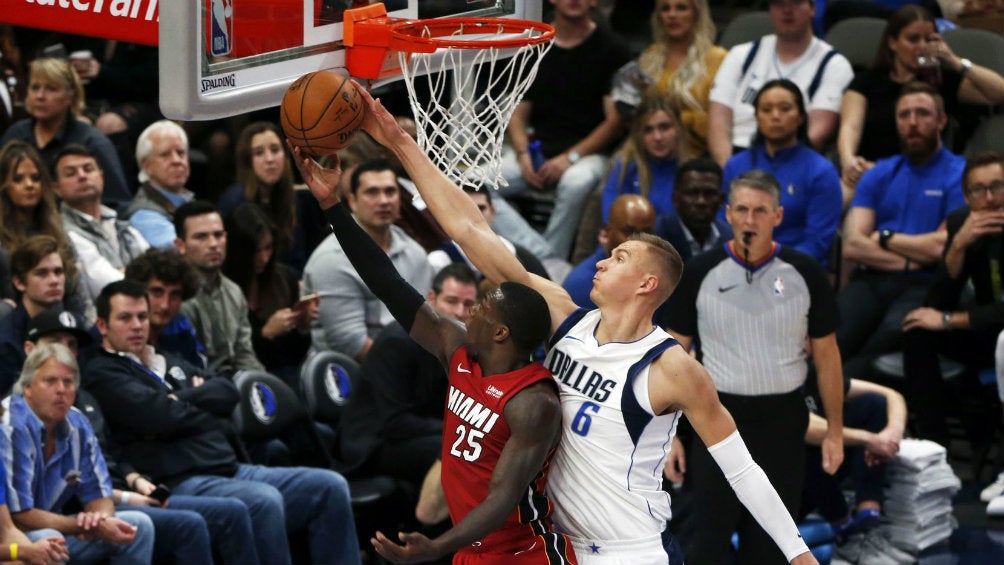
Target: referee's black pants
773,427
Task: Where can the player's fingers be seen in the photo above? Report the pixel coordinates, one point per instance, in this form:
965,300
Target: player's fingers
362,91
673,475
827,463
409,537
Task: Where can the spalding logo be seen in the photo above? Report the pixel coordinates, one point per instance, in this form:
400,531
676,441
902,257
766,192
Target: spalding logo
263,403
337,384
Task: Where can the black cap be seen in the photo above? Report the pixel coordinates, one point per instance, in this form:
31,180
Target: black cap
51,321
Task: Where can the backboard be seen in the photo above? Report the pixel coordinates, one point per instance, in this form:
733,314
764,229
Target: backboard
224,57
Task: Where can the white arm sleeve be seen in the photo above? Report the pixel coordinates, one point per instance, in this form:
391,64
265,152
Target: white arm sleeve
757,494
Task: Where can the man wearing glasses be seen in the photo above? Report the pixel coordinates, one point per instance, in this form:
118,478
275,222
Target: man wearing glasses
967,333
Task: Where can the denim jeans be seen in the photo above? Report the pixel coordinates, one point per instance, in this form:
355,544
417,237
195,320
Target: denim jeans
181,528
85,552
181,535
570,196
286,499
229,523
510,224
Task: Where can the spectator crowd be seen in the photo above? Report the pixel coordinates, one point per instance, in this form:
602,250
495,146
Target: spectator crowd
829,215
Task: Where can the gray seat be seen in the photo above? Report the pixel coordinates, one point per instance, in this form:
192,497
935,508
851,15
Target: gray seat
890,365
858,39
988,136
985,48
745,27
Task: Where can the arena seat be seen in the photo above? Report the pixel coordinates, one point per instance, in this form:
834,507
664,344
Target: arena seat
983,47
745,27
988,136
857,39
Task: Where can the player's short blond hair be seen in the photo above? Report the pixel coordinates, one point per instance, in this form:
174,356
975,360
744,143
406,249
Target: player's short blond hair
668,263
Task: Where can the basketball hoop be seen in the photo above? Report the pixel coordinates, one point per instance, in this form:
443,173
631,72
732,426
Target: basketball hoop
462,123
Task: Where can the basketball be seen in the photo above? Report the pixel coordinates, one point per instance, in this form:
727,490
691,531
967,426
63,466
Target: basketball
320,112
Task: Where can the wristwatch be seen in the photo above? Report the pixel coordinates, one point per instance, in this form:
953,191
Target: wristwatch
946,320
965,65
573,156
884,237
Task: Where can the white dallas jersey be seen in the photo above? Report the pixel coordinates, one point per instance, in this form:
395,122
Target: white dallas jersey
606,475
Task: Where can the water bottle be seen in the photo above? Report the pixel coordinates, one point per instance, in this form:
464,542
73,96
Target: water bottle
536,154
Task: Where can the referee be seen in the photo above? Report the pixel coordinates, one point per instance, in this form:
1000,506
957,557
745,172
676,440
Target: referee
749,305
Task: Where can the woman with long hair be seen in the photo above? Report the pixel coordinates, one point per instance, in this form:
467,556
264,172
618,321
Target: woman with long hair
27,201
681,63
810,185
265,177
278,323
55,101
646,162
27,208
867,114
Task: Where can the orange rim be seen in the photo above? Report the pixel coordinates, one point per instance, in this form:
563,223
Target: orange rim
424,36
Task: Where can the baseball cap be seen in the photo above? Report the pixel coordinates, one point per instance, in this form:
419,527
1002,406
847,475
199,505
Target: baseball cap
51,321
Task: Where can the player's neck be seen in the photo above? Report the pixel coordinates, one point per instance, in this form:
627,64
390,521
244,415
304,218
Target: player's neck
628,323
497,361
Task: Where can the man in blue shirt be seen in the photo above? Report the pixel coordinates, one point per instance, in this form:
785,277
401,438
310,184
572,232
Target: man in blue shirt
56,468
48,551
895,230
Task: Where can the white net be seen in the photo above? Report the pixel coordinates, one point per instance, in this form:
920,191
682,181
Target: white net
466,100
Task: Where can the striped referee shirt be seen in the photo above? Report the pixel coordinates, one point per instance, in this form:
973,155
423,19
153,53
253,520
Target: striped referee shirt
750,331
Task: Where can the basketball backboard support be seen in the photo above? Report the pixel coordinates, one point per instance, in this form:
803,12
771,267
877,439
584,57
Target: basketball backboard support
220,58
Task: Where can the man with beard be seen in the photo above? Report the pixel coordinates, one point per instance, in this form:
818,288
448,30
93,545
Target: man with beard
895,230
973,255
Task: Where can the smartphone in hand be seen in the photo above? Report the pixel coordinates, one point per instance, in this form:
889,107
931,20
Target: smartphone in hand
161,493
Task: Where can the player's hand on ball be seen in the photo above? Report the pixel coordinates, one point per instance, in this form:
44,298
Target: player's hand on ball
379,123
415,549
323,183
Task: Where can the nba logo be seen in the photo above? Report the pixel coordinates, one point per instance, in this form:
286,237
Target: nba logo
779,286
221,41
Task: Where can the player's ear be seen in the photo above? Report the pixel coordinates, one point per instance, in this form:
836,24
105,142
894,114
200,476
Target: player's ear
501,333
649,284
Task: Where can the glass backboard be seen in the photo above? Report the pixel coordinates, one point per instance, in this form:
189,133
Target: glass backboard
224,57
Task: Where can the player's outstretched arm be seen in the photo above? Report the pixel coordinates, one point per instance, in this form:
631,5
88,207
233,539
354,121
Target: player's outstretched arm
456,213
437,334
534,417
679,382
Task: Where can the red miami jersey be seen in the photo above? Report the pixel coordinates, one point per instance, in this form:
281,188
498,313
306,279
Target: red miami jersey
474,433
